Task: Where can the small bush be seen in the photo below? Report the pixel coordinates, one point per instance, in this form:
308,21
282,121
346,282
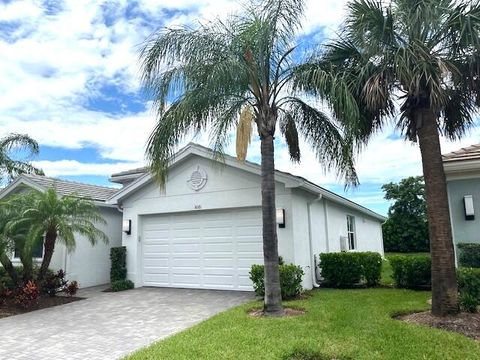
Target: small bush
290,280
27,296
347,269
72,288
121,285
412,271
53,283
118,256
469,255
469,288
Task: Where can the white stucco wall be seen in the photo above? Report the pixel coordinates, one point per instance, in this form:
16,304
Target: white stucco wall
90,265
368,229
227,187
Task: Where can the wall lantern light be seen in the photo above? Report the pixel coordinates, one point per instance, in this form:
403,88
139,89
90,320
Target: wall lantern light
281,218
468,206
127,227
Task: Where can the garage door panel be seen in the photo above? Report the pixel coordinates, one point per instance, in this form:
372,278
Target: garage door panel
192,279
207,249
149,262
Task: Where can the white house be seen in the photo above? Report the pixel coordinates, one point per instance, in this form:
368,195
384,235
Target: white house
204,229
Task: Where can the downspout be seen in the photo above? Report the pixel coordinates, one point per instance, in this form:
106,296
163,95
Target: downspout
313,262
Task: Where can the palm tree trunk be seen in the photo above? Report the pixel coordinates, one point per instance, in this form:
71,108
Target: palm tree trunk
27,274
9,268
444,282
50,239
273,295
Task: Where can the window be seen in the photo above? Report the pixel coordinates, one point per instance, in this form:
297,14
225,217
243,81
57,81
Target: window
37,251
351,232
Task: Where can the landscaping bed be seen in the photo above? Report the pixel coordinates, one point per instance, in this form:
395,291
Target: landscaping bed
9,307
467,324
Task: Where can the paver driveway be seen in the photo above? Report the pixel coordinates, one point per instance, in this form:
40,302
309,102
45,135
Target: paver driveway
109,325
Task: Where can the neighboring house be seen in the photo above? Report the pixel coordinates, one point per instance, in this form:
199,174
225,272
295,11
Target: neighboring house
204,229
89,265
462,169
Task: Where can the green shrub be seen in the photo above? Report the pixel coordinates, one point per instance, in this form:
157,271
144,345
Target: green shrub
371,263
347,269
341,269
290,280
469,255
118,257
412,271
469,288
121,285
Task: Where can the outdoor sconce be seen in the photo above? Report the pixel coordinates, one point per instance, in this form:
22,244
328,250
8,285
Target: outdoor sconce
469,210
281,218
127,227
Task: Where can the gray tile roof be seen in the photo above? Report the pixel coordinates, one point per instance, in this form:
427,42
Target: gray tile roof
467,153
64,187
139,171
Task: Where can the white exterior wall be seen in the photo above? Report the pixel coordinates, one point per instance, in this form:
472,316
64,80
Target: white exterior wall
368,230
90,265
226,187
313,224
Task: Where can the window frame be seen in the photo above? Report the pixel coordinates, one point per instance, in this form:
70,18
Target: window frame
351,230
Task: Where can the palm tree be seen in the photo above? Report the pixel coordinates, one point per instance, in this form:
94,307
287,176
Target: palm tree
235,74
423,55
6,244
57,219
10,166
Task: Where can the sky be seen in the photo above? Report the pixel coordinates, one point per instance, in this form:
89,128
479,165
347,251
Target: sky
69,78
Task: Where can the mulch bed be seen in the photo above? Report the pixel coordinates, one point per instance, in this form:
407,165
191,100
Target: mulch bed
288,312
9,308
467,324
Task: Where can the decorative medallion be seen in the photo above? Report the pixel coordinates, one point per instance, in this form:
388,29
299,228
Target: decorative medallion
198,179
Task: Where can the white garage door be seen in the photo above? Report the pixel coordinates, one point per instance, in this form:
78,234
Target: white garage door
202,249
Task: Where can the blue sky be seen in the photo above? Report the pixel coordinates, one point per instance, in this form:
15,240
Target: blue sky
70,79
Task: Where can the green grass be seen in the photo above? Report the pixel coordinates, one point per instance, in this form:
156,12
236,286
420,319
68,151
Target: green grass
348,324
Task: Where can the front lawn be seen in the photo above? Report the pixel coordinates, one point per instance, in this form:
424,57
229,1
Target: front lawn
339,324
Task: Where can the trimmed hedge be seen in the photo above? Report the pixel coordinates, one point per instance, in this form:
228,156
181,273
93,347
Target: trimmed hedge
469,255
469,288
118,270
290,280
347,269
411,271
121,285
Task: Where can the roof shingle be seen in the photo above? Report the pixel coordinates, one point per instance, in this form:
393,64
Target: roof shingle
65,188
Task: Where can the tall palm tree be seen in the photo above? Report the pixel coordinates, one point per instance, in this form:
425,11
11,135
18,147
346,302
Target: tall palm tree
423,55
10,166
57,219
236,74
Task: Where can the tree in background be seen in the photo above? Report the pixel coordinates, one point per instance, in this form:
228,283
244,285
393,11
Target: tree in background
406,229
238,74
